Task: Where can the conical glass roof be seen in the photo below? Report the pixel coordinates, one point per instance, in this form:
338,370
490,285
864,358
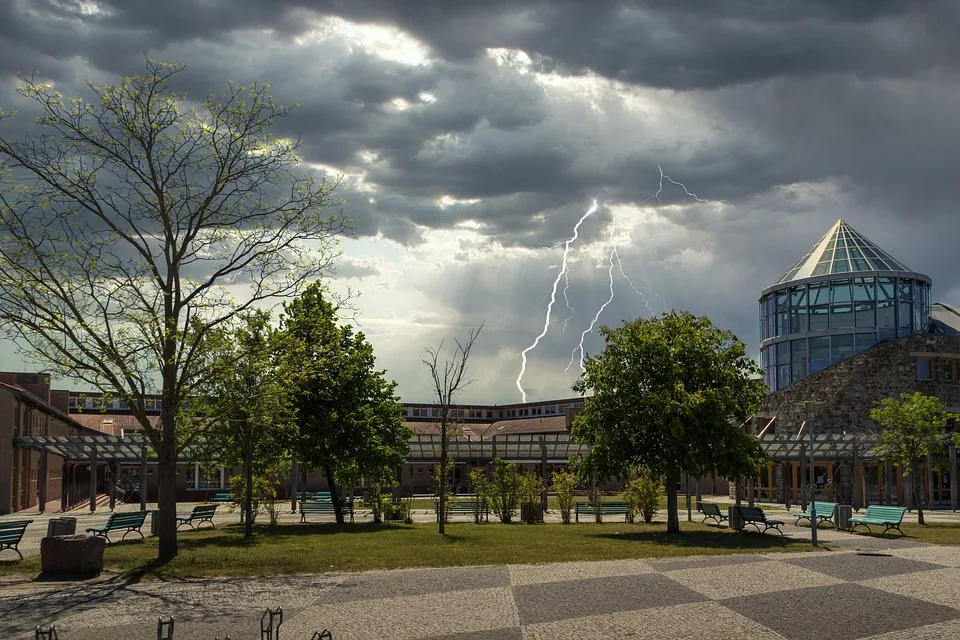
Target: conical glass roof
842,250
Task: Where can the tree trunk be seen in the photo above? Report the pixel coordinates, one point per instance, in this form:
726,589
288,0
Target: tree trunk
443,476
917,478
334,495
167,486
248,494
673,517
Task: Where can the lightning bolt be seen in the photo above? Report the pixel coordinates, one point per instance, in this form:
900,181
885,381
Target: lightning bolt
553,297
613,256
566,285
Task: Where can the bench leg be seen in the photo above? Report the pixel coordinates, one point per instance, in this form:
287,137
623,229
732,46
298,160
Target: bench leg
12,548
859,524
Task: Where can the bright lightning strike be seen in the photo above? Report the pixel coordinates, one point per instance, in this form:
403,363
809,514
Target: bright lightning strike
553,297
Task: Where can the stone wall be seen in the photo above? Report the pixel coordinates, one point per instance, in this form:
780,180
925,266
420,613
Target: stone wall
848,390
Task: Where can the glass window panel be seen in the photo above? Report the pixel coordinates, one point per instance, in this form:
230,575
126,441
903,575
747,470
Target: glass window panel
887,334
879,265
772,378
819,294
906,291
924,369
840,291
783,353
865,341
782,324
948,370
772,326
841,347
861,265
820,349
905,315
841,316
822,269
841,266
783,376
798,297
798,319
841,253
917,316
798,348
863,289
819,318
865,316
886,314
798,369
782,302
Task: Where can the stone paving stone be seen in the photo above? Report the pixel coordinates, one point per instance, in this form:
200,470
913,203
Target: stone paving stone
522,574
736,580
560,600
698,562
945,556
409,617
681,622
858,611
508,633
390,584
862,566
940,631
941,586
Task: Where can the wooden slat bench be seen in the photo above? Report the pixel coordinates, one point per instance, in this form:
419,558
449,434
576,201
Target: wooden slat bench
463,508
824,513
202,513
756,517
11,533
323,508
888,516
221,497
127,522
322,496
606,508
711,510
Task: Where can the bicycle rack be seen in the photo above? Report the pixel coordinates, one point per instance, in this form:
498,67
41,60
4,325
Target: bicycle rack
164,629
48,633
267,630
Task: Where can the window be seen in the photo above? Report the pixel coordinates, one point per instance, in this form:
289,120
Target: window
416,412
948,369
798,359
819,318
489,414
864,314
435,413
841,347
864,341
819,354
924,368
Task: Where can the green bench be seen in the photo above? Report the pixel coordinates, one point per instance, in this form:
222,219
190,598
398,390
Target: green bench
463,508
710,510
11,533
824,513
322,496
127,522
221,497
202,513
888,516
323,508
606,508
756,517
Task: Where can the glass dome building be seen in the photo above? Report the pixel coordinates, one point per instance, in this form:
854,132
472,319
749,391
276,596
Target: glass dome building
844,296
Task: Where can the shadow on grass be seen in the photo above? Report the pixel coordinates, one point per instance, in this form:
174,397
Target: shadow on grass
232,535
706,539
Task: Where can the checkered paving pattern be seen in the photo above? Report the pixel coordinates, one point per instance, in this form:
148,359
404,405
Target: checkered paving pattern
898,591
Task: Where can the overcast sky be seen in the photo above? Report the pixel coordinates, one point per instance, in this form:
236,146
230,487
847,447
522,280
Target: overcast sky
473,135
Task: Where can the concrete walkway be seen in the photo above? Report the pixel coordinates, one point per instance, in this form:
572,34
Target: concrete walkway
887,589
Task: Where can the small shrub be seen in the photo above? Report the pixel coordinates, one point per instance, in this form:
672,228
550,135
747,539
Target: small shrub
379,501
642,496
563,484
531,488
505,490
481,488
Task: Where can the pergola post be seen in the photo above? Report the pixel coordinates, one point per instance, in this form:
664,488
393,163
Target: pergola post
42,481
953,476
115,472
750,492
855,486
803,477
928,485
887,482
294,481
143,478
736,489
543,474
64,487
93,479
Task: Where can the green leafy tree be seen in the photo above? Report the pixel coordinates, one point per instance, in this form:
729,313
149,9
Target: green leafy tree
531,490
481,489
564,483
668,393
912,427
247,404
124,222
350,420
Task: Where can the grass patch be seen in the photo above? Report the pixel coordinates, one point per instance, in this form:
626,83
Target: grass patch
325,547
945,533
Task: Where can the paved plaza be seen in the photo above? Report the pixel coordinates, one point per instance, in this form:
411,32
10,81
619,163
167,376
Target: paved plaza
863,587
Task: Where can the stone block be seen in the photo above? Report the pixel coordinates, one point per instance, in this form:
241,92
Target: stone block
72,555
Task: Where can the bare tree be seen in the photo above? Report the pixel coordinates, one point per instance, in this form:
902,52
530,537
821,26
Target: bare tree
137,223
448,379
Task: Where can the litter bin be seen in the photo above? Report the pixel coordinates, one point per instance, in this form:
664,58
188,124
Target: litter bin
154,522
841,515
61,527
733,517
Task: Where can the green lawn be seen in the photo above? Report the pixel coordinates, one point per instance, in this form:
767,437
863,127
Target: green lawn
317,548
